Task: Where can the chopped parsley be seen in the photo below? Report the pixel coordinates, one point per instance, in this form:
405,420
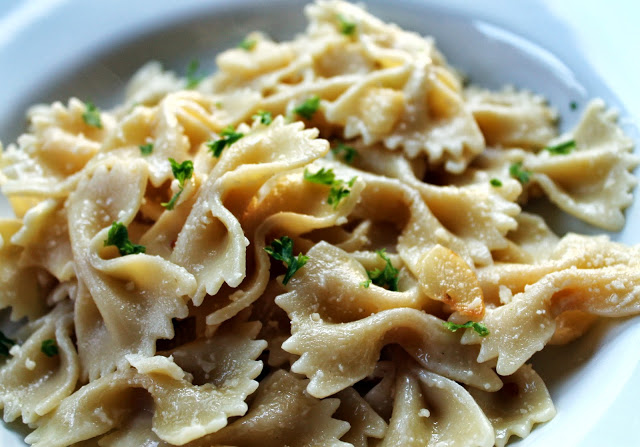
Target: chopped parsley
366,283
119,237
348,152
495,182
308,108
562,148
146,149
5,344
282,250
91,115
339,188
247,44
480,328
516,171
265,117
346,26
218,104
339,191
193,78
387,277
573,105
49,347
182,172
228,137
322,177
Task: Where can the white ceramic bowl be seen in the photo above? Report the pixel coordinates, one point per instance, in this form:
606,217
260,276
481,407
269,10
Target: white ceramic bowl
566,51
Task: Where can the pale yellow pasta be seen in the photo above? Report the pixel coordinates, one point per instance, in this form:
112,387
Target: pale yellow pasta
327,242
364,422
522,402
430,410
32,383
512,118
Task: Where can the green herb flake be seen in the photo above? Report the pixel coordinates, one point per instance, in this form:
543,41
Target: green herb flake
228,137
282,250
146,149
562,148
119,237
91,115
516,171
171,204
192,76
308,108
322,177
49,347
182,172
264,116
5,344
495,182
247,44
349,153
347,27
339,188
573,105
366,283
480,328
387,277
339,191
219,104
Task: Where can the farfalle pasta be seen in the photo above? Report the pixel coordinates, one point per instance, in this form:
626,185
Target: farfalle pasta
326,242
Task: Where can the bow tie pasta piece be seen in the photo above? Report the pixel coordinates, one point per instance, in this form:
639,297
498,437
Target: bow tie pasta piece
380,397
325,303
478,213
532,240
364,422
431,410
489,214
241,171
149,85
513,410
213,359
396,87
411,99
390,200
281,414
182,411
45,225
57,133
586,174
284,393
593,182
573,251
512,118
128,301
603,281
20,287
450,278
266,56
35,380
177,127
292,193
286,204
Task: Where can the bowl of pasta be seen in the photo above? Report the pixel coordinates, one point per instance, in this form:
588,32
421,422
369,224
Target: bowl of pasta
314,223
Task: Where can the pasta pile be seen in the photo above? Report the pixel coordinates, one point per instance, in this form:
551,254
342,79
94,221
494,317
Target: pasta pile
321,244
